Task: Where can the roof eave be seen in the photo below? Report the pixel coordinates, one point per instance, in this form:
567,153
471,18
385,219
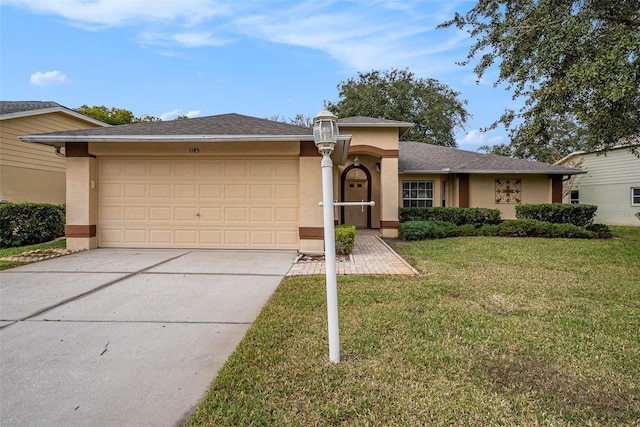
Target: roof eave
53,110
62,139
490,172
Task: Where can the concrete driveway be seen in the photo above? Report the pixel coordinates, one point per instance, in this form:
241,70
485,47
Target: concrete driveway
125,337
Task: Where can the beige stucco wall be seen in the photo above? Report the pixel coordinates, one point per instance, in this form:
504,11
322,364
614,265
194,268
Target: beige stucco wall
482,192
384,138
82,199
33,172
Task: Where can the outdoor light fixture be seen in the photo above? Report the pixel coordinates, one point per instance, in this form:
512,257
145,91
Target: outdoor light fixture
325,131
325,136
356,161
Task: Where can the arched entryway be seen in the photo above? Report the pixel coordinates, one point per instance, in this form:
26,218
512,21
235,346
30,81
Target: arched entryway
355,186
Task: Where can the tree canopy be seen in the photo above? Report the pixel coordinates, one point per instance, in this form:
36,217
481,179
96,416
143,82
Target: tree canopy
113,116
570,60
433,107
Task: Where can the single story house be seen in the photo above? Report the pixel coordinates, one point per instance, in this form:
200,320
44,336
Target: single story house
31,172
233,181
611,182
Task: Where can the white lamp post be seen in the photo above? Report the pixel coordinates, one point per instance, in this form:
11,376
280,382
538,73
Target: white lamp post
325,136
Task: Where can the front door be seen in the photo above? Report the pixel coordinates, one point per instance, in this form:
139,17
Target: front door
356,190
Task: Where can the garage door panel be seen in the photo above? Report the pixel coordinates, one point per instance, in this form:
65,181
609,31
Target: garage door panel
136,213
135,236
135,168
262,191
192,203
185,191
236,237
185,168
160,214
287,191
186,237
210,192
161,237
235,168
135,191
160,191
111,190
185,214
235,191
235,215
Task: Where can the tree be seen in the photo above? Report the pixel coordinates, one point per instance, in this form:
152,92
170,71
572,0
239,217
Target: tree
298,120
432,106
499,149
113,116
569,59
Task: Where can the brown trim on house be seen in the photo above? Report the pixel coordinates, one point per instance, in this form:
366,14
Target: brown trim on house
80,230
308,149
370,149
77,149
389,224
311,233
463,190
556,188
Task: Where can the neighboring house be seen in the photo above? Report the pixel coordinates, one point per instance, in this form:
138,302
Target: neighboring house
30,172
233,181
611,182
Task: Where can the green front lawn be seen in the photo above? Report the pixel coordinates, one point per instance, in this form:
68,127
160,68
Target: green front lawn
7,252
496,331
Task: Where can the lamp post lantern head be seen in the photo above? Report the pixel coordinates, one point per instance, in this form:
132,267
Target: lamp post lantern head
325,131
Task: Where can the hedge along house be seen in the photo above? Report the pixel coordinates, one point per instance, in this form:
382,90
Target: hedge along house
233,181
34,173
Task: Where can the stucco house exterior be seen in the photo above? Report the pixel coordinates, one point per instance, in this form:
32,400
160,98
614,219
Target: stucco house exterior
234,181
611,182
32,172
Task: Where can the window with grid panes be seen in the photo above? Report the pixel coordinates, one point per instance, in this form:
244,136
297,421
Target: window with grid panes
417,194
635,196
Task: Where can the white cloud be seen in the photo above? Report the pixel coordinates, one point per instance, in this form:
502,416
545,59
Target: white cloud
110,13
476,138
47,78
361,34
172,115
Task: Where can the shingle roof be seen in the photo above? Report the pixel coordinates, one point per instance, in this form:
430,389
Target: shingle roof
223,124
419,157
9,107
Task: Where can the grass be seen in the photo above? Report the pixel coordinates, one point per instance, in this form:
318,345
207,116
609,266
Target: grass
7,252
496,331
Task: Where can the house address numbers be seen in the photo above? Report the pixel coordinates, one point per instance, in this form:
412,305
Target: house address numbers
194,150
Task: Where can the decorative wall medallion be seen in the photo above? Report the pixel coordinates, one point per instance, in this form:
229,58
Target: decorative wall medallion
508,191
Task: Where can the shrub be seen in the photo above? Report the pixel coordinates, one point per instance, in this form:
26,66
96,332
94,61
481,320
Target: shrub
638,215
421,230
345,238
535,228
557,213
457,216
30,223
466,230
487,230
523,228
602,230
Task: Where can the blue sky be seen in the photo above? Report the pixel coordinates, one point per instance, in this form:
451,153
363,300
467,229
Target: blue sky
260,58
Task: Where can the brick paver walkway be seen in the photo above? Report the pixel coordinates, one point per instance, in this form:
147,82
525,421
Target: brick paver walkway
370,255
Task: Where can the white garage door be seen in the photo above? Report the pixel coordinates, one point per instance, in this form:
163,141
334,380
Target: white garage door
198,203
